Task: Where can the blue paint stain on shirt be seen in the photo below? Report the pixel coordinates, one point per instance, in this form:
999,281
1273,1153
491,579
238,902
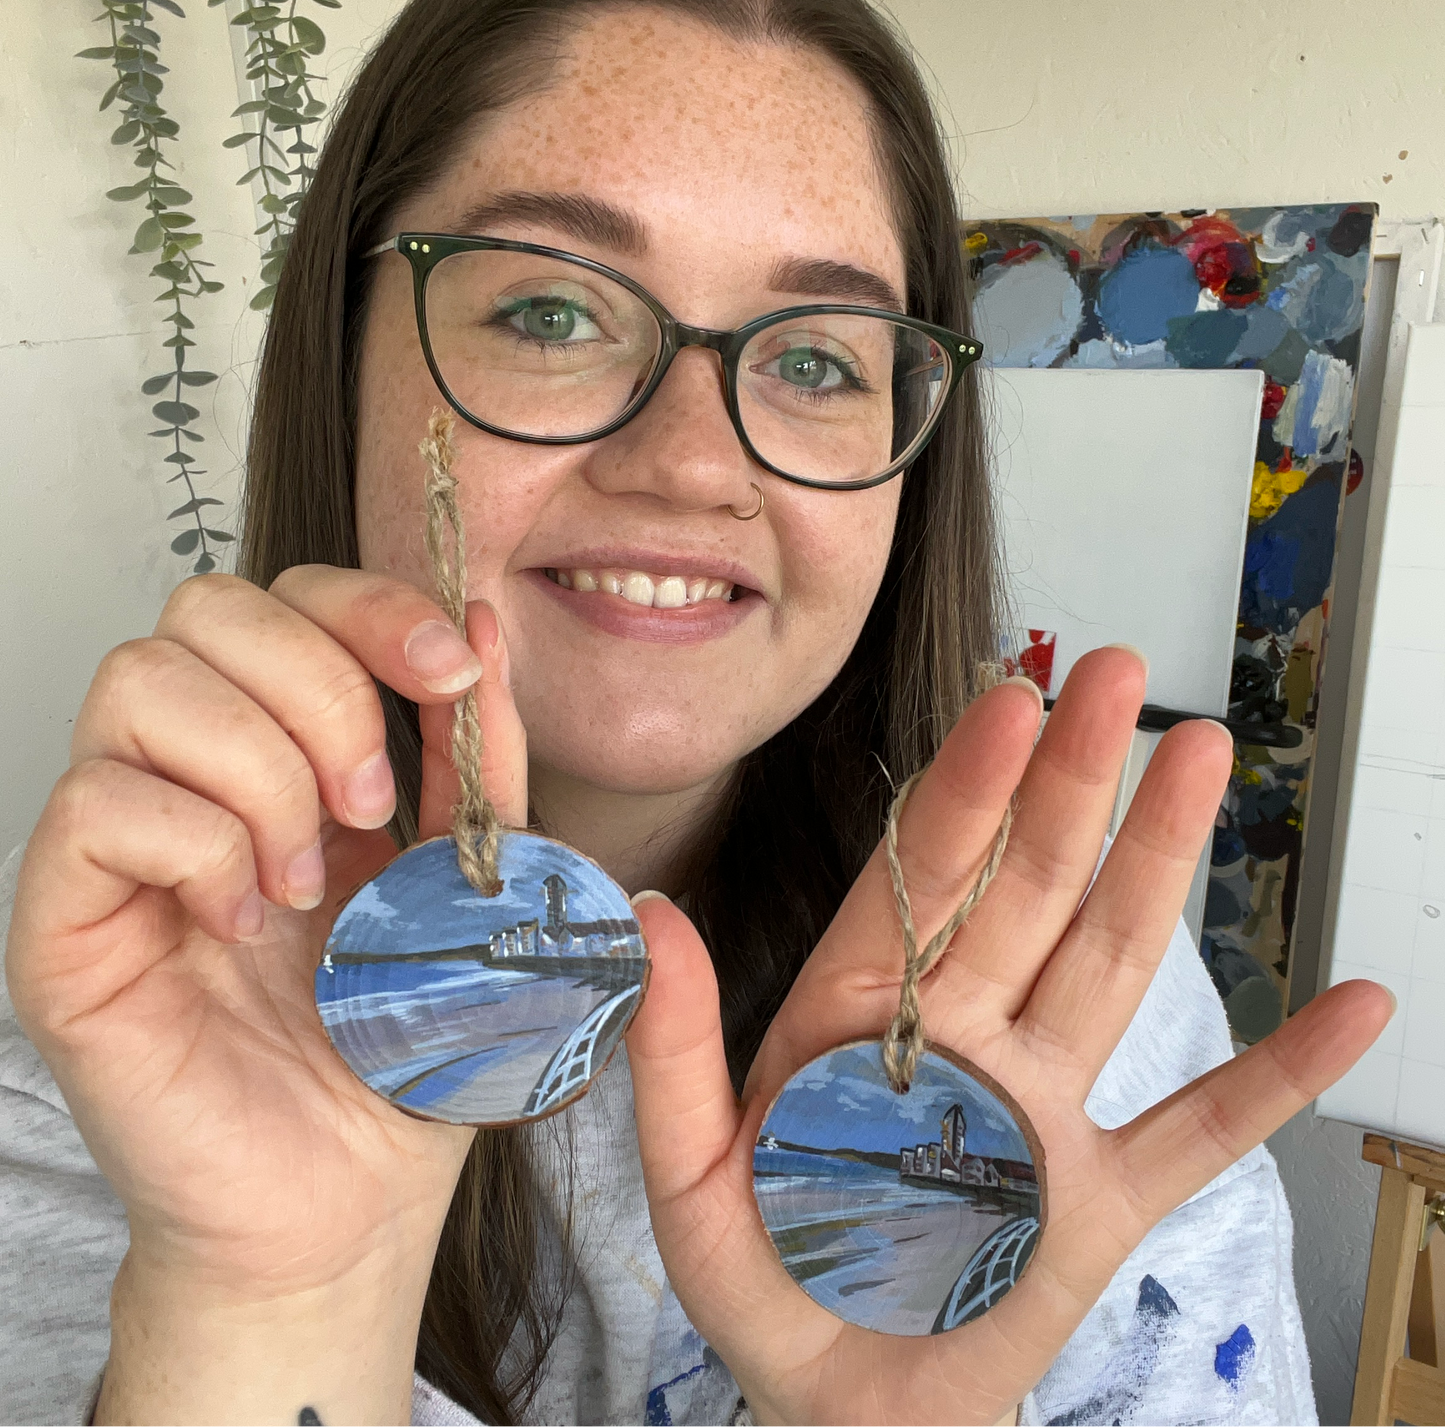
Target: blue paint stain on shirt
1234,1357
656,1413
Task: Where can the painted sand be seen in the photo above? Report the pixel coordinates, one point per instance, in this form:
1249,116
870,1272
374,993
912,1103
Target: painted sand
1280,289
477,1010
907,1214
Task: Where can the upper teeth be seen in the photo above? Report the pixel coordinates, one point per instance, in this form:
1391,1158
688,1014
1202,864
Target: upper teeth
637,587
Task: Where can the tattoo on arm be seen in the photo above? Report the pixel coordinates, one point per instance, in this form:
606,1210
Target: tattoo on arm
307,1418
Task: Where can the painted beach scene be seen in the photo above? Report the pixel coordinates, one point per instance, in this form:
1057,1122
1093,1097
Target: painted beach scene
907,1214
482,1010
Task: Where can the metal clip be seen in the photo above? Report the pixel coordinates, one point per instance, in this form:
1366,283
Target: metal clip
1434,1217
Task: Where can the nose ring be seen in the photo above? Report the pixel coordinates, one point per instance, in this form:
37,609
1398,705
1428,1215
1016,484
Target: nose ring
754,515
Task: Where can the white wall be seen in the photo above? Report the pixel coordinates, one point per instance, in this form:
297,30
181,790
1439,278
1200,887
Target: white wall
84,547
1061,108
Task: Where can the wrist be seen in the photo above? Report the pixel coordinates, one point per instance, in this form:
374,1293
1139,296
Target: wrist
186,1347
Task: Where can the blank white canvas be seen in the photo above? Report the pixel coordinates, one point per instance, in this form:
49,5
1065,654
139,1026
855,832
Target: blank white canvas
1391,921
1125,500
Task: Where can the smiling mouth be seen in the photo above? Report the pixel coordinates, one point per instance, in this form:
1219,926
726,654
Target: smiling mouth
650,591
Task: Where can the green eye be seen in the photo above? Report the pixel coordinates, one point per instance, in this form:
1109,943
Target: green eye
550,321
801,366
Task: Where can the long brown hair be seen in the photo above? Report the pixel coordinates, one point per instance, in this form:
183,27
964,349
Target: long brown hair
807,807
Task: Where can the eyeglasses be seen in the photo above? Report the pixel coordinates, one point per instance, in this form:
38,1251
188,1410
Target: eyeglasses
533,344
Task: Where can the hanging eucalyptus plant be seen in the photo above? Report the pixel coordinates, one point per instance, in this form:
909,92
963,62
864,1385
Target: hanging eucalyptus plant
281,41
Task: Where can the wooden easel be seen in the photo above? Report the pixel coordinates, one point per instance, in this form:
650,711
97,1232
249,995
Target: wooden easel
1405,1293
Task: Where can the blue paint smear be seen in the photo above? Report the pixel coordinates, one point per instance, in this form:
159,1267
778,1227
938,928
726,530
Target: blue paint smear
1147,288
656,1413
1206,339
1288,559
1234,1357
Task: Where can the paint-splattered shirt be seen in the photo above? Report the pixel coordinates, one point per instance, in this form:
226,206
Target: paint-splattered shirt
1200,1325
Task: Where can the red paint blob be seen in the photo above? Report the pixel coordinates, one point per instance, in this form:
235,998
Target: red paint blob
1274,395
1355,473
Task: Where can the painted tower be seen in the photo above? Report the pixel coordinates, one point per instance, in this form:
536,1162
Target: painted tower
556,892
955,1127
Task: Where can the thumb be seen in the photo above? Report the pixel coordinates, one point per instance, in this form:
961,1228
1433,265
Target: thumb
504,740
687,1114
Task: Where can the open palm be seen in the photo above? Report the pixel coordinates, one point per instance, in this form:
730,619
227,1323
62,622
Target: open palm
1036,989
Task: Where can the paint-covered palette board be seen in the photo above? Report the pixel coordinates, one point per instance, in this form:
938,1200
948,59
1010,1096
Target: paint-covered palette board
908,1214
1278,290
482,1010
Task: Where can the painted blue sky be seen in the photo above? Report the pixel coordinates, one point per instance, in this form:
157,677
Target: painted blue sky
421,902
843,1101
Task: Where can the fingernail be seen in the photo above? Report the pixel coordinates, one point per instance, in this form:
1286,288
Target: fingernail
1024,682
251,915
490,630
441,659
650,896
370,793
1134,649
305,879
1394,999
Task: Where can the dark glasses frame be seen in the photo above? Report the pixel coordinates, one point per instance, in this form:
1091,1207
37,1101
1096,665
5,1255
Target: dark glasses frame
425,250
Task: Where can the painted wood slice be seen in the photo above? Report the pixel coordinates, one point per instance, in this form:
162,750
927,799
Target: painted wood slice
908,1214
482,1010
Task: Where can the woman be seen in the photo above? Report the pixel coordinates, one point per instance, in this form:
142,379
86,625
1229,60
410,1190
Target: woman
296,1245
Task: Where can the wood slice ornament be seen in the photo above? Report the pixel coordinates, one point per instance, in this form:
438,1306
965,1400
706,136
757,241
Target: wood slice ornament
483,978
902,1187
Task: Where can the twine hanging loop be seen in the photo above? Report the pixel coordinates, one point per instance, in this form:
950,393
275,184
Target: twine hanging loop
474,821
903,1042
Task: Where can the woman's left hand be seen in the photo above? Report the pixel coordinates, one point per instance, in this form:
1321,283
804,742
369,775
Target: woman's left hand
1037,989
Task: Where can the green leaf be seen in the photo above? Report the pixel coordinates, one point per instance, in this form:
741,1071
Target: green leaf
308,34
140,35
99,52
251,106
125,133
186,541
179,458
178,413
330,4
211,286
176,220
236,140
178,341
197,378
166,128
220,536
172,196
192,435
263,299
108,98
192,506
248,176
172,272
128,193
182,322
205,564
148,237
171,6
271,204
153,386
185,241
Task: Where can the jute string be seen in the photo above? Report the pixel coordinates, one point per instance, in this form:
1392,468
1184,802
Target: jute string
474,820
903,1042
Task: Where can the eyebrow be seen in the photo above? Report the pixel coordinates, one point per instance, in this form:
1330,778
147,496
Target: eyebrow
593,220
822,277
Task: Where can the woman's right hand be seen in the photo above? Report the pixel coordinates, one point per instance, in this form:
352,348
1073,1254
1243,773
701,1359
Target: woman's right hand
229,786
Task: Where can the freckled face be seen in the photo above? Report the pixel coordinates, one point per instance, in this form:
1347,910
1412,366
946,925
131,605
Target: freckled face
734,161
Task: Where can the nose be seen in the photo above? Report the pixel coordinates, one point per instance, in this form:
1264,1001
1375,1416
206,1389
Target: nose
681,448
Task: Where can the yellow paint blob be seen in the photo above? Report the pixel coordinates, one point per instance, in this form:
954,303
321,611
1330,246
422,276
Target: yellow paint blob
975,242
1271,487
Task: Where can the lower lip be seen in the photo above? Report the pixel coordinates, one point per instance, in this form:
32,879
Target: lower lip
693,624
